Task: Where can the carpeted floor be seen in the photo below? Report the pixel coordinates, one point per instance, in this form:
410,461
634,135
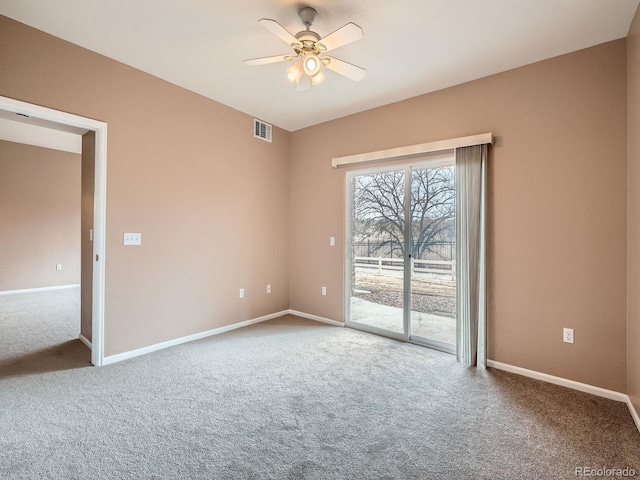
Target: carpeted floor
285,399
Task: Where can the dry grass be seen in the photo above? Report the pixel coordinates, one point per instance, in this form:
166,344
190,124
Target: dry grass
428,294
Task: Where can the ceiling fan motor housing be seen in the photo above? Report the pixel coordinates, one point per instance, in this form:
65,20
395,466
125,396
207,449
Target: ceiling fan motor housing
307,35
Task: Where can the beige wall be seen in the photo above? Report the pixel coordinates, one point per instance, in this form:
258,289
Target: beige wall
633,212
86,227
556,222
39,217
210,201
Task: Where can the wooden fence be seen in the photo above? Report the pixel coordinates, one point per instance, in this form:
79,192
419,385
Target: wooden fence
442,267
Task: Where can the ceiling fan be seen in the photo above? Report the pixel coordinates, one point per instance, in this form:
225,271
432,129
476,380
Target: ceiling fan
306,70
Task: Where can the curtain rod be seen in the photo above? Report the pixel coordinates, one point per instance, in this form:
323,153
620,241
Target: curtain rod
440,145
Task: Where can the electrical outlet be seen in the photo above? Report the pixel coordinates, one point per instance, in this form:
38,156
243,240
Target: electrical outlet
268,288
242,293
332,241
58,267
324,290
567,335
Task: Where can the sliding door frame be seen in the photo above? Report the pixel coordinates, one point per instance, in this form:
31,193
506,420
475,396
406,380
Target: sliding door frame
442,159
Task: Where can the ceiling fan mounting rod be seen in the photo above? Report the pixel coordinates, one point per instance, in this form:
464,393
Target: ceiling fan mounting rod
308,37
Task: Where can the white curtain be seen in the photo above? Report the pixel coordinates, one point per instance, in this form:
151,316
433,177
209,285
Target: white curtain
471,168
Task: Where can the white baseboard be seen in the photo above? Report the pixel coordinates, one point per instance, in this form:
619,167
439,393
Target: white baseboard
85,340
582,387
189,338
316,318
39,289
216,331
563,382
634,413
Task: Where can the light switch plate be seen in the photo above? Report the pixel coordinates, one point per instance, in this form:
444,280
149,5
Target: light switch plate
132,238
332,241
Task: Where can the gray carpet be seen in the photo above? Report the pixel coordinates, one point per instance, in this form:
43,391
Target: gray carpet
285,399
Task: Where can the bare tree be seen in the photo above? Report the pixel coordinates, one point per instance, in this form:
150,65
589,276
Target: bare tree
379,208
433,207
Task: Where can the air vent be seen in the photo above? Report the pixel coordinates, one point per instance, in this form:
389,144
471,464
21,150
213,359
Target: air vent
261,130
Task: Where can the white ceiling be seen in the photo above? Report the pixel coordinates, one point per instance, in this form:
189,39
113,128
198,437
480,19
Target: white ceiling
410,47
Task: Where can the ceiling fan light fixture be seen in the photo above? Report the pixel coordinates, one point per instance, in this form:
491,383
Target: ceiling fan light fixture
294,72
311,65
305,83
305,71
317,78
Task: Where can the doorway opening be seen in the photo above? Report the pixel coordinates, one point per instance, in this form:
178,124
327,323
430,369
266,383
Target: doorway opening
401,252
94,149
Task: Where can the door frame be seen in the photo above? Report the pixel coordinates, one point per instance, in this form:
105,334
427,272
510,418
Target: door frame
99,207
442,159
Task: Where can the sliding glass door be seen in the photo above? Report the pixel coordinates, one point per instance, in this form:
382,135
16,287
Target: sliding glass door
433,253
401,274
377,251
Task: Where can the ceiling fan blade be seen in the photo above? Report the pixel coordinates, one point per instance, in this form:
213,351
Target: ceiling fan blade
304,83
346,69
279,31
266,60
344,35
